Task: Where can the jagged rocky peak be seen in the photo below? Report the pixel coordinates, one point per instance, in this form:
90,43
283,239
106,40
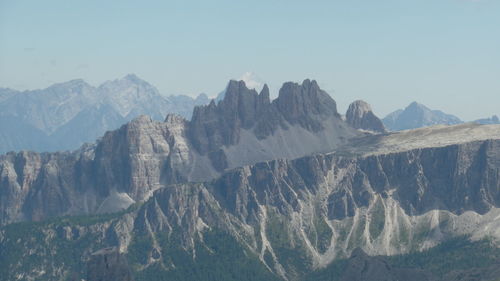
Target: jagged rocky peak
130,87
243,103
218,124
242,108
295,101
299,101
237,97
416,107
360,116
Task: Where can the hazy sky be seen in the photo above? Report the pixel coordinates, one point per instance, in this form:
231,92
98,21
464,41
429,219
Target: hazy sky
443,53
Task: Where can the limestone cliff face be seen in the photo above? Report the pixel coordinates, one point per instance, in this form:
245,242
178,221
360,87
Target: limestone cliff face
125,166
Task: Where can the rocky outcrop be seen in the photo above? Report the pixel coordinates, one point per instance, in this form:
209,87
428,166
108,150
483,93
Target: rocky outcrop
360,116
220,124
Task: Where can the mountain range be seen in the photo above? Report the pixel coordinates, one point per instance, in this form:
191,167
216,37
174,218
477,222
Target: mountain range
66,115
257,189
417,115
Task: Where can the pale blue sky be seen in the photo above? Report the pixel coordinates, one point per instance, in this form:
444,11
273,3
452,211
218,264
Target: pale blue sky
443,53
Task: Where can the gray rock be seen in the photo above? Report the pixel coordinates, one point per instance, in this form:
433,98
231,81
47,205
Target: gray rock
360,116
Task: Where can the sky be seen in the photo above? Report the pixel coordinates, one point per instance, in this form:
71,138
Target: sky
442,53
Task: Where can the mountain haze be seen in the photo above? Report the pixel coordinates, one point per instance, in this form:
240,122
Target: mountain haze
418,115
54,118
492,120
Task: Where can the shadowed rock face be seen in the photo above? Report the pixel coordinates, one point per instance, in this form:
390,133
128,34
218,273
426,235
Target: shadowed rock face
219,124
360,116
305,104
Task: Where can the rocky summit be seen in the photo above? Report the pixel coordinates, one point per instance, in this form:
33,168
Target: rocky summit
360,116
254,189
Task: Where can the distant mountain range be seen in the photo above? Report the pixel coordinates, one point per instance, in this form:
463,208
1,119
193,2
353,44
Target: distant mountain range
66,115
417,115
